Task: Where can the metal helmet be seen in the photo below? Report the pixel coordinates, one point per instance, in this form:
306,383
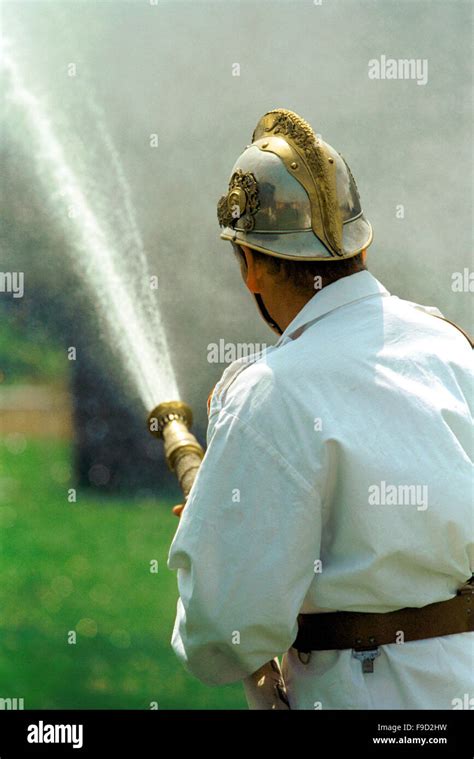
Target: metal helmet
291,195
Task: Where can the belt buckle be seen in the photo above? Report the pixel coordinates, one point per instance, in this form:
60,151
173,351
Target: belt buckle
367,658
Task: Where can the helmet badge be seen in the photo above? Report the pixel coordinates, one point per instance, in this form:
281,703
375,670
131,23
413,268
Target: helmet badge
241,202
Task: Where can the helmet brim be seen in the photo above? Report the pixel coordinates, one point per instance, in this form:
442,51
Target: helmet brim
303,245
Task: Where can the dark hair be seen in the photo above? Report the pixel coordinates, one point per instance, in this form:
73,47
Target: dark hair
301,275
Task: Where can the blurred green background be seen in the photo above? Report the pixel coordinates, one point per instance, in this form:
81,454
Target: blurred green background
83,566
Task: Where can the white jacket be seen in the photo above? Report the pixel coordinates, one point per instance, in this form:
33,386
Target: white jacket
337,476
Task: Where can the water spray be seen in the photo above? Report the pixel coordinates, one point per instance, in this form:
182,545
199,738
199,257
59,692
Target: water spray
98,248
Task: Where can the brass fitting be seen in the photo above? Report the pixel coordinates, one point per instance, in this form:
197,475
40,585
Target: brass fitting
171,422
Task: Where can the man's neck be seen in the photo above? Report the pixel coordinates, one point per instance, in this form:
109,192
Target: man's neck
286,308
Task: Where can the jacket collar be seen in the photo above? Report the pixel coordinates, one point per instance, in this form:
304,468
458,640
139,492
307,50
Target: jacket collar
356,286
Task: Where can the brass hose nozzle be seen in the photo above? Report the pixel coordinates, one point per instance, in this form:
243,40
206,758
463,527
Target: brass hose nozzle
171,422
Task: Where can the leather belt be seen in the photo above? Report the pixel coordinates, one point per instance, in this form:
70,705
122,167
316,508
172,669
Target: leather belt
363,631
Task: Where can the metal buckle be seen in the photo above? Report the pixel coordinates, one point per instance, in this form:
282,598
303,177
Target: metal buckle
367,659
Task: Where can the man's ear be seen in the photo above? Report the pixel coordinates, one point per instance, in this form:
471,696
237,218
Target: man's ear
251,274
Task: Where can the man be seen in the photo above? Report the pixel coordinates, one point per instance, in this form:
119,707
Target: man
336,487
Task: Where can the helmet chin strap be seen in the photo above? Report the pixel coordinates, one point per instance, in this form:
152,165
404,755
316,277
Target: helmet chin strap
263,312
258,298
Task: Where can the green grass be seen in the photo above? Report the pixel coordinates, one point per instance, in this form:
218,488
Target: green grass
85,567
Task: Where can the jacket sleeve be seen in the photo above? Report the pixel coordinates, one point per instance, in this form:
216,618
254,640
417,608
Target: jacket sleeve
245,551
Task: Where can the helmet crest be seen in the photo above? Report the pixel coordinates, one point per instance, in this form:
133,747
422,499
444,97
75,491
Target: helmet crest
300,135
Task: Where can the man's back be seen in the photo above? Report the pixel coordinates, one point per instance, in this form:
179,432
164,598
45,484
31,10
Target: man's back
378,394
349,445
